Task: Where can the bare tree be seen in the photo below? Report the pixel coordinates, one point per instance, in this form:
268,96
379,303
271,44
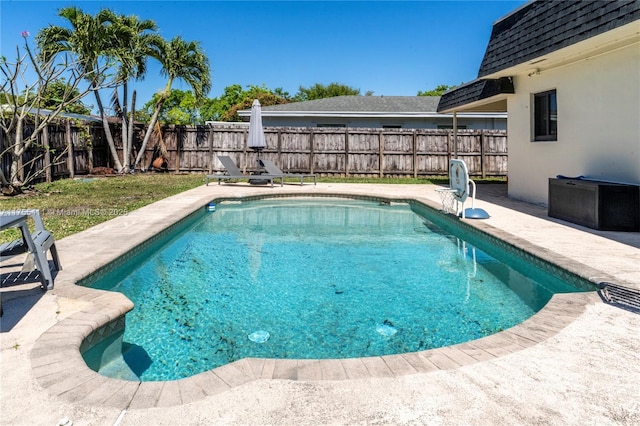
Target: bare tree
22,86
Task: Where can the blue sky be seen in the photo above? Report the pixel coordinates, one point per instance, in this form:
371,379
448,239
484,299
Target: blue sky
392,48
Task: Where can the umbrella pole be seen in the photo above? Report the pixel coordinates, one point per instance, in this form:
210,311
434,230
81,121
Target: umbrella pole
257,180
258,150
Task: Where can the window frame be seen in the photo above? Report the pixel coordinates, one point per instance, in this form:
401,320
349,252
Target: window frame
330,125
450,127
544,118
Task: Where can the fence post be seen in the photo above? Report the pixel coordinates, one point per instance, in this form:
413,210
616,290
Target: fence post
415,153
279,144
47,154
311,152
449,137
245,133
346,151
178,134
380,154
210,140
92,138
482,155
70,155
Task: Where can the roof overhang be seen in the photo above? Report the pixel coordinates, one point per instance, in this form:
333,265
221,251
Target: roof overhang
479,96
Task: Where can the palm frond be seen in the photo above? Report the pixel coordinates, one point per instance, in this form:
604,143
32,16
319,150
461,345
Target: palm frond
115,103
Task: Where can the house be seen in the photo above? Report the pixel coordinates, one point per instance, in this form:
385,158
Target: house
406,112
568,74
47,112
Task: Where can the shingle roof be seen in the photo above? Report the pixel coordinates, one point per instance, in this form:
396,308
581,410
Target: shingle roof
355,104
541,27
474,91
534,30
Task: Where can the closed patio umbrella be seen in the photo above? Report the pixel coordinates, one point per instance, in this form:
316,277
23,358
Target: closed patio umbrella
256,140
256,133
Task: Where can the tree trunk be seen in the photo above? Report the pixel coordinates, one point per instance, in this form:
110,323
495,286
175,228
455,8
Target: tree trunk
17,173
107,132
71,164
3,179
126,148
131,118
154,118
7,188
147,135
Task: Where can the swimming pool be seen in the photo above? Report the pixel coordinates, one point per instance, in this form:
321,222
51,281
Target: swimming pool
428,286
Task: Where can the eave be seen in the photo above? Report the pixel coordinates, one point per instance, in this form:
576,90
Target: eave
478,96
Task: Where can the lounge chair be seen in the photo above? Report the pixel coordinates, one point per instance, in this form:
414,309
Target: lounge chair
233,172
272,169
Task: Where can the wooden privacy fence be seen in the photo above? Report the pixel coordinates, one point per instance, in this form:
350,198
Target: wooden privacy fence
356,152
63,150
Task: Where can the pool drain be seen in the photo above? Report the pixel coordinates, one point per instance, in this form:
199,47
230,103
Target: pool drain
385,330
259,336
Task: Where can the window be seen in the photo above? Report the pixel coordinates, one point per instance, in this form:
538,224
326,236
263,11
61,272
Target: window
331,125
391,126
545,116
450,127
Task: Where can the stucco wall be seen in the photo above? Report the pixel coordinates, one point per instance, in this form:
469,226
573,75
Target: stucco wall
598,124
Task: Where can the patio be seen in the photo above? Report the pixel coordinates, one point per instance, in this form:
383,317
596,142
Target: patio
585,372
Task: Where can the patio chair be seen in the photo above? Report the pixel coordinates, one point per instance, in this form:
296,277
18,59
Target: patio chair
272,169
233,172
43,241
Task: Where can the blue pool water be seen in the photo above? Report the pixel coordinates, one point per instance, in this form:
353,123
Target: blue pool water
309,278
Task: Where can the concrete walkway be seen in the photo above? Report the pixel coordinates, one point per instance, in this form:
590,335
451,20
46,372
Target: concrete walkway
575,362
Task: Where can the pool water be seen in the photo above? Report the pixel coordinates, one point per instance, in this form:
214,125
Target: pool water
309,279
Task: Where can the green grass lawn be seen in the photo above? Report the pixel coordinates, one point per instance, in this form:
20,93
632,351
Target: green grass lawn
68,206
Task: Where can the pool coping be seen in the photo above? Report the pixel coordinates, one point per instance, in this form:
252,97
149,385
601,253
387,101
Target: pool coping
59,367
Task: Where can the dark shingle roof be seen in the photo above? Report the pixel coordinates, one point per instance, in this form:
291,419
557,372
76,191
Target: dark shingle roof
535,30
373,104
542,27
474,91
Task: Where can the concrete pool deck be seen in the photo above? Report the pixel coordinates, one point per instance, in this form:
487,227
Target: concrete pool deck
575,362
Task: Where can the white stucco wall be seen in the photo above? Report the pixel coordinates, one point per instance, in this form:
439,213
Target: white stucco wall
598,124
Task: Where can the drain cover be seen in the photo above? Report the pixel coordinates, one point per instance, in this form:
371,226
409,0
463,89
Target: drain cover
259,336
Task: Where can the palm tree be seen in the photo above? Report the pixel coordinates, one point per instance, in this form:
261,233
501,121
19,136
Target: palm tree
93,39
180,60
133,52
